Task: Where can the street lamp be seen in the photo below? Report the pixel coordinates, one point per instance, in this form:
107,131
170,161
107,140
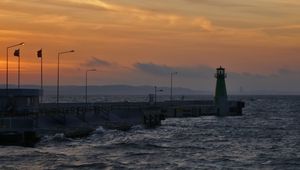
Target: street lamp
86,84
155,93
22,43
171,90
57,87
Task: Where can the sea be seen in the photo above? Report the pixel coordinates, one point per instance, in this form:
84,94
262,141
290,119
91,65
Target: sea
267,136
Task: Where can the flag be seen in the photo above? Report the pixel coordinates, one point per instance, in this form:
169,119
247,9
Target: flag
17,53
40,53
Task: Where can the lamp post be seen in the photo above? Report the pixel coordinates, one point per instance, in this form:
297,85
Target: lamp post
171,89
86,84
57,87
22,43
155,93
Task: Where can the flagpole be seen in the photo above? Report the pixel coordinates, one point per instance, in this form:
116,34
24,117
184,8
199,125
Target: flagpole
42,79
22,43
19,59
7,70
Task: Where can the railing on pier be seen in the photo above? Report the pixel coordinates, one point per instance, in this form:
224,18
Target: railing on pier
102,110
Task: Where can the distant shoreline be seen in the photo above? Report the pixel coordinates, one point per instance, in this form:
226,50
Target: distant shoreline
75,90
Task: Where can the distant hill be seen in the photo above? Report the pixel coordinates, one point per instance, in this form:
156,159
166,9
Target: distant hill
115,90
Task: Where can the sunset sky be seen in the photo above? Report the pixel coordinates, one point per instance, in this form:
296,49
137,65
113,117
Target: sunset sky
138,42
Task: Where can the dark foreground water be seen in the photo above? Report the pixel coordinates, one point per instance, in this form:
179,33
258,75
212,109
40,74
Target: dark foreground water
266,137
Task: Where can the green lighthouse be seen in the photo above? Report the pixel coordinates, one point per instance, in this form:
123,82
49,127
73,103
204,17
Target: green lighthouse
221,99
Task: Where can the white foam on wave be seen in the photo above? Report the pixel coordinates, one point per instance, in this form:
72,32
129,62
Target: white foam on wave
100,130
137,127
58,137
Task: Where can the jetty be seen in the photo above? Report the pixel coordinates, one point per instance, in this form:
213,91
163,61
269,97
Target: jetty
23,119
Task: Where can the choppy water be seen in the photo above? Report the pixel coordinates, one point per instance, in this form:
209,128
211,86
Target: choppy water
266,137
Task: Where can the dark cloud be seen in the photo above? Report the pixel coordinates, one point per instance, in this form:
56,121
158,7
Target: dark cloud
162,70
154,69
96,62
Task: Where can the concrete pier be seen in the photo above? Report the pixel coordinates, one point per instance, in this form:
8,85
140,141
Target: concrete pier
23,118
132,113
80,119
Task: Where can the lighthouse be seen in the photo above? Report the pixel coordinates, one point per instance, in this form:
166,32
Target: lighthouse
221,98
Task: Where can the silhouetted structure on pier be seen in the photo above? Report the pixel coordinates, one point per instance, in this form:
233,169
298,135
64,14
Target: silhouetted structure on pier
221,98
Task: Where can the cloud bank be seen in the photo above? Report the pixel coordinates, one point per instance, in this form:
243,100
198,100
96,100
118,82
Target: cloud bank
96,62
281,81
